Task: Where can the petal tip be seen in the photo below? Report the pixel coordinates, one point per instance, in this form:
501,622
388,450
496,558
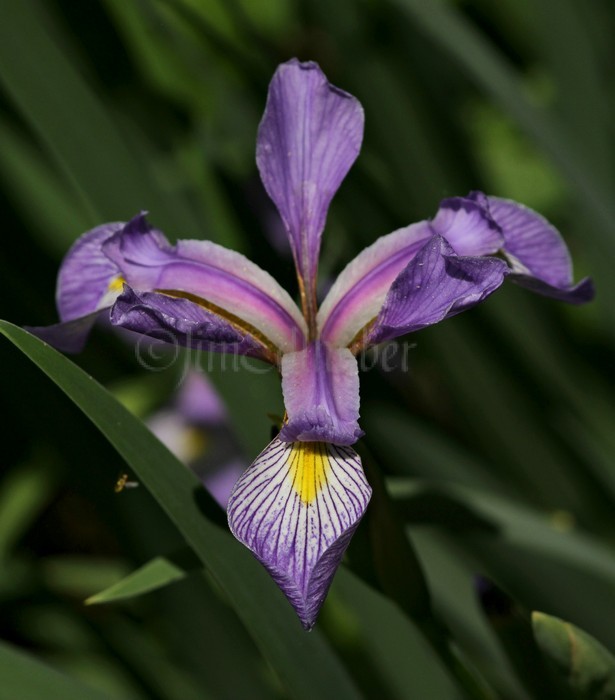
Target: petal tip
308,138
296,509
581,293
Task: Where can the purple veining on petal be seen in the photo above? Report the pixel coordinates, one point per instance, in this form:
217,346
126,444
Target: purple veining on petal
359,292
466,224
296,509
436,284
204,269
86,285
309,137
361,288
537,253
85,274
321,395
181,322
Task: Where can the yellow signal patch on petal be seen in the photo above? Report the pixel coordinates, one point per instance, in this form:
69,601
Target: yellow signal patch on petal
114,288
116,284
310,465
296,508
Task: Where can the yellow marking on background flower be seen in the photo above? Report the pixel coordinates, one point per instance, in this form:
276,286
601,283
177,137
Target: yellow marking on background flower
195,442
116,284
310,465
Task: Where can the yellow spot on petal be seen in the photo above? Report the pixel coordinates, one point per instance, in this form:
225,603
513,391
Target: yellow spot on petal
310,465
116,284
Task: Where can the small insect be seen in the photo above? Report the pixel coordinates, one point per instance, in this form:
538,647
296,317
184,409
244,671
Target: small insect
123,483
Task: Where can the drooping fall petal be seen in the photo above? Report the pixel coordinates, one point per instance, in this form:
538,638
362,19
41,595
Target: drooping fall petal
86,274
359,292
537,253
69,336
88,282
436,284
224,281
221,281
321,395
296,509
309,136
182,322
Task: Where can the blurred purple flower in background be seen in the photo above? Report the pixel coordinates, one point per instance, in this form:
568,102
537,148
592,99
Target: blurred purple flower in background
297,506
196,428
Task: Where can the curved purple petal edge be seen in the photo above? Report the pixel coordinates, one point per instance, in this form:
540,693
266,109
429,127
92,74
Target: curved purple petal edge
86,273
70,336
580,293
435,284
537,253
84,289
180,322
467,226
296,508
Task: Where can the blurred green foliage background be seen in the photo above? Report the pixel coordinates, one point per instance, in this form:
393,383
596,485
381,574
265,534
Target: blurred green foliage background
497,444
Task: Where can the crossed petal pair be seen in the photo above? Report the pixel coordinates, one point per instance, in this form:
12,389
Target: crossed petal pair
298,504
196,293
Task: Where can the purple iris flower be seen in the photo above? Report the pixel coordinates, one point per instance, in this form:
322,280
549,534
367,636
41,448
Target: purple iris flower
297,506
196,428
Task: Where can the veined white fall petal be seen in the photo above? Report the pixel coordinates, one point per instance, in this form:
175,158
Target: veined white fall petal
296,508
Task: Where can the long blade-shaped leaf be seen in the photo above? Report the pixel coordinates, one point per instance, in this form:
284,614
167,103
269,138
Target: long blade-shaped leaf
305,664
445,25
26,678
71,122
156,573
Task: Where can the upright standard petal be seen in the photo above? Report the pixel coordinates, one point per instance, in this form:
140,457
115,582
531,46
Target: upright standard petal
309,137
182,322
321,395
225,282
296,509
436,284
537,253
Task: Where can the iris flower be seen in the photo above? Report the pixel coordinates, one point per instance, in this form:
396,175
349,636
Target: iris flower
196,428
297,506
